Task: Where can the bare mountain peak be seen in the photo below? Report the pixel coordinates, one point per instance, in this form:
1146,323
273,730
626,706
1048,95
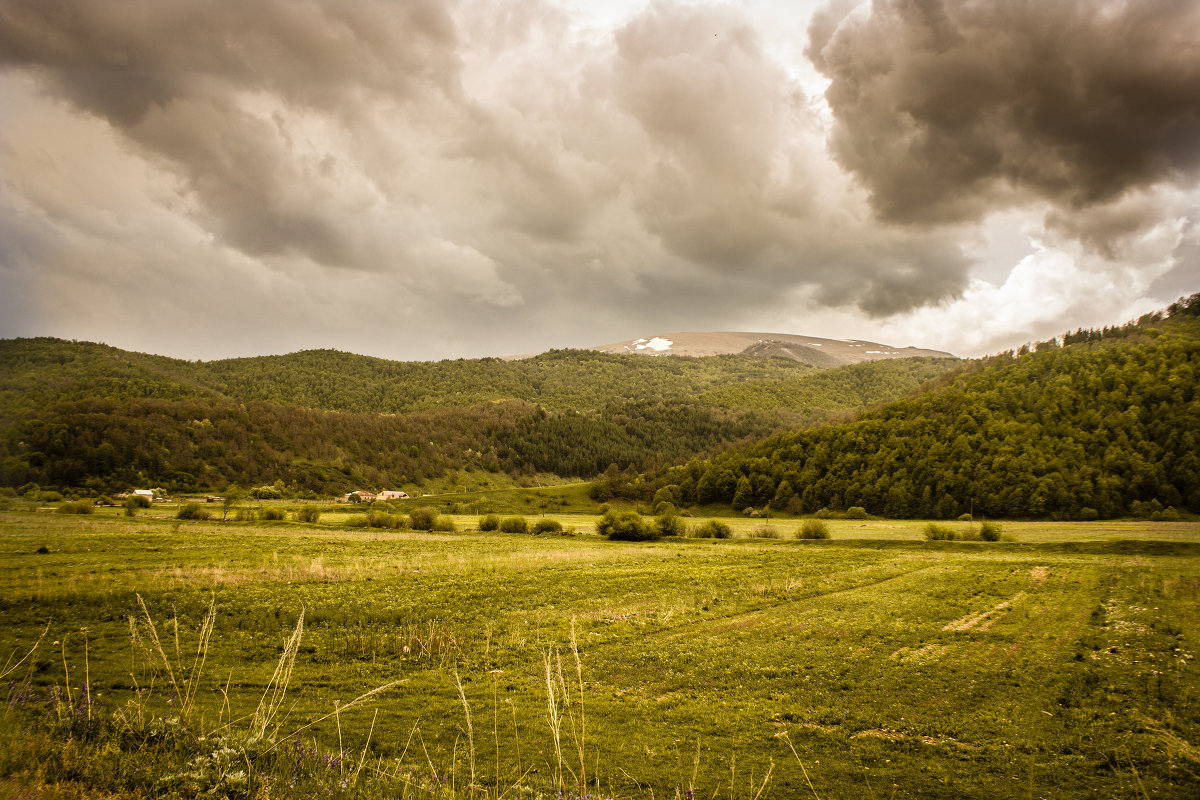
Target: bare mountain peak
806,349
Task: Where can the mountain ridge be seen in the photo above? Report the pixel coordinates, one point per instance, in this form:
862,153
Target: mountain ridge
814,351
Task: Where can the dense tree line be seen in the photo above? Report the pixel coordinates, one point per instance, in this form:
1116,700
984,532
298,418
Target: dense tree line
1107,424
107,445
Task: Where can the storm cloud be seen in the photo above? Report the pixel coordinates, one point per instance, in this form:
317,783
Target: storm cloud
431,179
949,109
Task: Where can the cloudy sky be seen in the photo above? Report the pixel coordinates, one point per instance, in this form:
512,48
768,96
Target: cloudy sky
425,180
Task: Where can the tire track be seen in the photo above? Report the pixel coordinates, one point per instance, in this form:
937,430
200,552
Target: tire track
743,618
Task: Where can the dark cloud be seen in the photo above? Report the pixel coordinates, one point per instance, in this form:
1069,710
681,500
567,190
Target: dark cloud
200,87
947,109
736,181
1110,228
121,59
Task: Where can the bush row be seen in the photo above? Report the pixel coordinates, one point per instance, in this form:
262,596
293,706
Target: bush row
986,532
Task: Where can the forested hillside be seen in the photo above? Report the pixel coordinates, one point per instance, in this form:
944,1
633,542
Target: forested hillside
102,419
35,373
850,388
1105,423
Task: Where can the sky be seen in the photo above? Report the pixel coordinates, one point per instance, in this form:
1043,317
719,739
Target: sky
426,180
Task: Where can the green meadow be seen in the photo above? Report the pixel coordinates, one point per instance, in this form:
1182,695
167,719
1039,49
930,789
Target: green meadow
149,656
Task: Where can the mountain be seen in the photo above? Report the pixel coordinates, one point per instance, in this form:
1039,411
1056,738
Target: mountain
1101,423
79,414
809,350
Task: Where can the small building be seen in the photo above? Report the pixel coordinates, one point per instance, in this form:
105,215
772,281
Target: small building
389,494
146,493
358,497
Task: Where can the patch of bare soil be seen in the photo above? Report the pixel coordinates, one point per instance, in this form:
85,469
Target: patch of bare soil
986,618
880,733
929,652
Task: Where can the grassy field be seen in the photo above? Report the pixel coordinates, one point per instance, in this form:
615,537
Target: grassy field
874,664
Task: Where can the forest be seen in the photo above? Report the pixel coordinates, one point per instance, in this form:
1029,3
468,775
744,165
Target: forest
1097,424
77,415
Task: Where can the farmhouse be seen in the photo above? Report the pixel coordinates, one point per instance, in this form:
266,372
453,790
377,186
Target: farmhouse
362,496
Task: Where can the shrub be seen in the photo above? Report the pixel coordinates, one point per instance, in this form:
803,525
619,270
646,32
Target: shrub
192,511
245,515
381,519
392,521
625,526
813,529
265,493
137,501
514,525
546,526
856,512
445,524
965,518
77,507
422,519
824,513
308,514
489,522
664,507
49,497
272,514
104,500
767,532
377,519
713,529
669,525
1088,514
935,532
990,531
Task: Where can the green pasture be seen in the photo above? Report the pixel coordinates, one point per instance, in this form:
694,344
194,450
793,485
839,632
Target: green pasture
872,664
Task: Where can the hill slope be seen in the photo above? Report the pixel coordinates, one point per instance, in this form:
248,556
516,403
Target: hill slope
89,415
1107,425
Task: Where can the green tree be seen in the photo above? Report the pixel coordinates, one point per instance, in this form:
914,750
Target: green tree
627,526
783,494
744,496
230,500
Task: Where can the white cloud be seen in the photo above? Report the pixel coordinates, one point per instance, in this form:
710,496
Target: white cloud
1059,286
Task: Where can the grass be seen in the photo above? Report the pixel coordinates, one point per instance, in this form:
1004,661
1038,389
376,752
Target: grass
872,664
